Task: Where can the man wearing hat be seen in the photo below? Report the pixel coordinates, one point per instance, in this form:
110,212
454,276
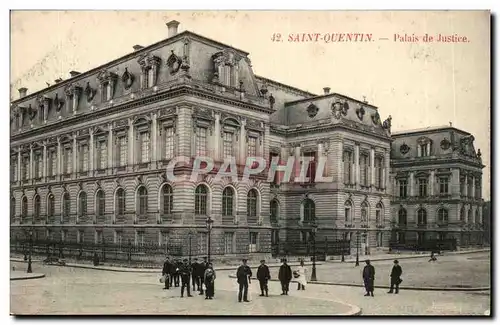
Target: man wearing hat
185,272
243,275
285,276
166,272
369,278
396,273
263,275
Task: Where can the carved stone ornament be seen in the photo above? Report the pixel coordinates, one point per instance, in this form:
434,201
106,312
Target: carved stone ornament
58,103
312,110
31,112
263,89
360,112
387,124
174,63
445,144
404,149
89,92
271,101
478,154
127,79
376,118
337,110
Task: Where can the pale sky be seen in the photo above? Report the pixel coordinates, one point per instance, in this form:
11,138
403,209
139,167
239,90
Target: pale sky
419,84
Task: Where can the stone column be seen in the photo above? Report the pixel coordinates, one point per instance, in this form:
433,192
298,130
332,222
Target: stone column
45,163
217,137
75,150
356,163
31,163
265,142
412,187
466,192
110,147
297,168
473,194
432,181
130,143
91,151
59,157
243,141
372,166
319,154
19,163
154,136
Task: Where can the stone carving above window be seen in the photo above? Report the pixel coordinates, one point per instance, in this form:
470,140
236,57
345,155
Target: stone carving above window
73,92
376,118
423,140
89,92
150,65
127,79
58,104
312,110
339,108
445,144
174,63
387,124
404,149
360,112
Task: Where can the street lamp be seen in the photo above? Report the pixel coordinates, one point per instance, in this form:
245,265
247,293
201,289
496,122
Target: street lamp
209,222
29,270
314,229
357,248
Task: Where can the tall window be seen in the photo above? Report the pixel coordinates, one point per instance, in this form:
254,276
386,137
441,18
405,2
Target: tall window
12,209
140,238
252,203
24,208
26,168
378,214
38,171
100,203
84,157
201,141
422,217
422,187
228,144
122,151
50,205
470,217
309,210
142,194
311,168
348,212
13,169
169,142
252,147
82,204
252,247
462,214
364,213
462,186
52,163
364,167
471,187
478,189
424,150
402,221
380,239
144,136
102,154
200,200
68,161
478,217
202,242
228,243
36,206
276,174
379,175
403,188
80,236
227,201
167,194
118,237
98,237
120,201
274,209
442,216
348,165
443,185
66,205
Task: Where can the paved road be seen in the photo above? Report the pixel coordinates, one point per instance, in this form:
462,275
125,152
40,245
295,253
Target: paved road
83,291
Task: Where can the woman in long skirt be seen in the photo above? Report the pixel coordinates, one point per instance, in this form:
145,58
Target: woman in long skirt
302,276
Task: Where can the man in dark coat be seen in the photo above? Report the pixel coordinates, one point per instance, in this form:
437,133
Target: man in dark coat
263,275
177,267
369,278
396,273
285,276
195,274
202,268
185,273
166,272
243,274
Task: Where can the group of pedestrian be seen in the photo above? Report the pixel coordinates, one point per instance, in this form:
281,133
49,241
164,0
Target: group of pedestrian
369,278
197,274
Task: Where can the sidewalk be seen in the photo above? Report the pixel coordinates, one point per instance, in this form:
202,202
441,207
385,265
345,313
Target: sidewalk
20,275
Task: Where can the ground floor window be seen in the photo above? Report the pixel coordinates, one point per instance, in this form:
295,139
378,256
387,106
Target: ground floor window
252,245
228,243
202,242
380,239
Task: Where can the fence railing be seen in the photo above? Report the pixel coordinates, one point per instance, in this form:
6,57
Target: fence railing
321,248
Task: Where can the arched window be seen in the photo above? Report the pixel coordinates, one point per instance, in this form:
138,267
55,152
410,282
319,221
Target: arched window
442,216
227,201
168,199
378,214
24,207
66,205
252,203
200,200
36,206
120,201
12,209
422,217
50,205
100,201
348,212
82,204
470,217
364,212
462,214
142,195
274,210
309,210
402,217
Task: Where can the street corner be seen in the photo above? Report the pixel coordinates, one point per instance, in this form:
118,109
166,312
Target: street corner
19,275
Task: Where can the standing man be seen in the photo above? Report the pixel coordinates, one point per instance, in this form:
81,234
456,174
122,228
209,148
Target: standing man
166,272
185,272
263,275
285,276
202,267
396,273
177,268
369,278
243,275
209,279
196,274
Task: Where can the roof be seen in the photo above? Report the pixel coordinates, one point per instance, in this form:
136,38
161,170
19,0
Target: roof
329,95
304,92
427,129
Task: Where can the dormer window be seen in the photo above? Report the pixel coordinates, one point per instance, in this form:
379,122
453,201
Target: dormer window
73,93
424,146
150,65
107,81
226,68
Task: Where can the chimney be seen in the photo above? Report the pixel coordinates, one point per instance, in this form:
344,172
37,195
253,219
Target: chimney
138,47
172,28
22,92
58,80
326,90
74,73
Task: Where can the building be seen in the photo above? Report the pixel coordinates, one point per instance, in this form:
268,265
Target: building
436,175
89,156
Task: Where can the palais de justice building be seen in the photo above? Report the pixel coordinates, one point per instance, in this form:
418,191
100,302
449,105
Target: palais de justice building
89,155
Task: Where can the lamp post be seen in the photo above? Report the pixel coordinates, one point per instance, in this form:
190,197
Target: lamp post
344,237
29,270
209,222
314,229
357,248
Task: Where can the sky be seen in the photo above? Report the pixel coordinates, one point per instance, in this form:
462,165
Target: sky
418,83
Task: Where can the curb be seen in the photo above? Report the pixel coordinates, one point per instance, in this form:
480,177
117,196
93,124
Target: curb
33,276
387,287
